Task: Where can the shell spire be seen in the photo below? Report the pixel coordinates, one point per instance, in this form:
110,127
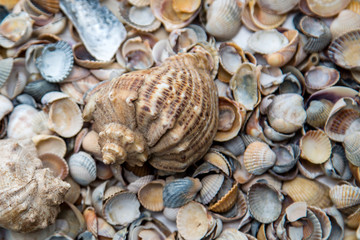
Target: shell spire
164,114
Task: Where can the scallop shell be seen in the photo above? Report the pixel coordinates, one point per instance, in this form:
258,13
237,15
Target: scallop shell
354,6
346,21
244,86
179,192
30,195
211,185
227,201
151,195
6,66
84,59
258,158
277,7
286,113
264,202
309,191
139,17
318,112
272,38
49,144
192,221
236,146
324,8
65,118
6,106
343,119
231,119
56,164
351,145
315,147
55,62
223,18
343,51
121,209
82,168
92,20
156,136
105,229
219,160
51,6
344,196
37,89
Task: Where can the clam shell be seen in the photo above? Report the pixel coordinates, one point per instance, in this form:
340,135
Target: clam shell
55,62
15,29
227,201
231,57
344,196
20,122
219,160
182,39
6,106
65,118
244,86
315,147
211,185
97,197
74,192
346,21
17,79
51,6
277,7
121,209
232,234
92,20
82,168
151,195
354,6
105,229
309,191
324,8
6,66
137,54
192,221
90,143
103,171
84,59
326,225
54,96
91,220
180,191
318,112
139,17
161,51
56,164
236,146
139,3
49,144
231,119
258,158
223,18
338,166
351,145
112,191
171,213
286,158
273,39
264,202
343,119
39,88
343,51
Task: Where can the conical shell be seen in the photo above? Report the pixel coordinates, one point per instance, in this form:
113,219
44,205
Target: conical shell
192,221
344,196
304,190
264,202
49,144
258,158
82,168
151,195
121,209
30,195
324,8
65,118
180,191
315,147
318,112
352,148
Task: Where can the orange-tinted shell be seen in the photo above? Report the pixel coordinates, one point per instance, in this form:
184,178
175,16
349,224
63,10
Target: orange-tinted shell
167,114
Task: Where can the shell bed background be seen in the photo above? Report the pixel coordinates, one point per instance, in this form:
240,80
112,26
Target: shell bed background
179,119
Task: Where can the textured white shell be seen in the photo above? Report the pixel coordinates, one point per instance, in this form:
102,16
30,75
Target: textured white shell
82,168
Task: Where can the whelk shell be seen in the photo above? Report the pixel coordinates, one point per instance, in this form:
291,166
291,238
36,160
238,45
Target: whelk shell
258,158
315,147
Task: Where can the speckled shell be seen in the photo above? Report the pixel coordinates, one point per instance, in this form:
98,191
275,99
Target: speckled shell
167,114
29,195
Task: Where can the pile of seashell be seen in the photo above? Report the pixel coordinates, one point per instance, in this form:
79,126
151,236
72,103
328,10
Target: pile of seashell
180,119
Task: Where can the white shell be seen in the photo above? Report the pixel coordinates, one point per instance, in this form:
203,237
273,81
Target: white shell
82,168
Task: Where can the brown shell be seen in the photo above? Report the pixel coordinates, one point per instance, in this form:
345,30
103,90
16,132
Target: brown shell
167,114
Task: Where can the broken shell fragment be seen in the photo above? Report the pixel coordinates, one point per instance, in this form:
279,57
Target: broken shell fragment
267,41
15,29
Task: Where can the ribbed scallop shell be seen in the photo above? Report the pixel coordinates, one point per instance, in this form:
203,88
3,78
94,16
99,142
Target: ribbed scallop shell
169,113
326,8
151,195
226,202
29,195
315,147
344,196
6,66
318,112
37,89
304,190
211,185
346,21
354,6
122,209
258,158
261,19
6,106
352,148
344,50
180,191
264,202
223,18
82,168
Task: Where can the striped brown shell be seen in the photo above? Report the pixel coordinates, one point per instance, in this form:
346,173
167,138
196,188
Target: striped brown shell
167,115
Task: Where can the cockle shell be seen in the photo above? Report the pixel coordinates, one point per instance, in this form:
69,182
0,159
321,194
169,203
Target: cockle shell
82,168
277,6
326,8
315,147
258,158
318,112
346,21
352,146
30,195
167,114
344,196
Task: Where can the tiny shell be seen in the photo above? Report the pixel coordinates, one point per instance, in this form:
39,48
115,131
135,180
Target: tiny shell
56,164
315,147
82,168
151,195
192,221
121,209
180,191
49,144
258,158
65,118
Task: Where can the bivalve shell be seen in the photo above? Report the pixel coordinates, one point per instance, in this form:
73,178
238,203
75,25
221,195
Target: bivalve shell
151,195
6,66
344,196
315,147
325,8
346,21
6,106
56,164
277,6
82,168
258,158
49,144
226,202
352,148
15,29
318,112
211,185
267,41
